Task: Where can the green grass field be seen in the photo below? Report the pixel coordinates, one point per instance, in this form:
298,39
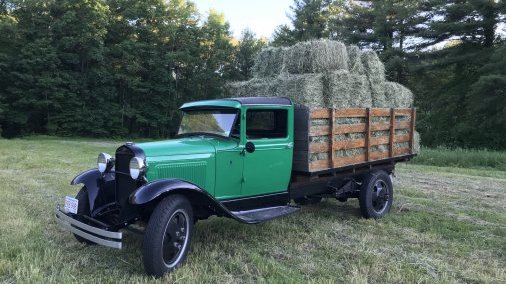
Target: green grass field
448,224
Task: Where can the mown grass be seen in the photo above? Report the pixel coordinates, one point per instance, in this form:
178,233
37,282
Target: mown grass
462,158
445,226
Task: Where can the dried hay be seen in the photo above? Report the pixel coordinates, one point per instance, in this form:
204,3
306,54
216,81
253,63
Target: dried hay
349,136
397,95
380,133
304,89
376,119
302,58
269,62
355,65
319,156
375,71
320,122
349,152
401,131
380,148
345,90
319,139
252,88
350,120
316,57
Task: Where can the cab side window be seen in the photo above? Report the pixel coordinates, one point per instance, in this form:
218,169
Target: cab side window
266,123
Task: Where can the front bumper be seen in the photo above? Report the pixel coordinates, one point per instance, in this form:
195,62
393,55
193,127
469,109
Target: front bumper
94,234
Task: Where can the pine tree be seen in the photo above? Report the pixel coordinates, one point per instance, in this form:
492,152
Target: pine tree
248,47
310,20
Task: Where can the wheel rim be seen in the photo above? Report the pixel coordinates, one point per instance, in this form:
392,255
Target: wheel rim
175,238
380,196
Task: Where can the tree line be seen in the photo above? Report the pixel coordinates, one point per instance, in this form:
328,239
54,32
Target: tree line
111,68
122,67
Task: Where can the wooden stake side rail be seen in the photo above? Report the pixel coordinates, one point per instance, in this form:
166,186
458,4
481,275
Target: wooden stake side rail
365,129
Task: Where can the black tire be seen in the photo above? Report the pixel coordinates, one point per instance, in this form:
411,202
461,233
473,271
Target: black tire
83,209
376,195
168,236
307,200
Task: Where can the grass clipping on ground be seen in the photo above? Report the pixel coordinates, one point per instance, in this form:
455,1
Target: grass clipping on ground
324,73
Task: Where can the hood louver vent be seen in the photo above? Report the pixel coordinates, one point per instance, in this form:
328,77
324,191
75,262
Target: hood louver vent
194,172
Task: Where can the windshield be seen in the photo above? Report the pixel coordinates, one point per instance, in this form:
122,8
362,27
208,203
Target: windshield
218,122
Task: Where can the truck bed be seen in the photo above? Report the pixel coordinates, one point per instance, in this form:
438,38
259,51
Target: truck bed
328,139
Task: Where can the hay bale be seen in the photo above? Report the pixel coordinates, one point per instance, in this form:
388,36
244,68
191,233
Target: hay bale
329,55
349,152
349,136
319,139
299,59
355,64
344,90
318,156
375,72
269,62
252,88
397,95
315,57
306,89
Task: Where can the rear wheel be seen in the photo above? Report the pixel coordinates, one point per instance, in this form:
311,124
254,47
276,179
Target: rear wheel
83,208
376,195
168,235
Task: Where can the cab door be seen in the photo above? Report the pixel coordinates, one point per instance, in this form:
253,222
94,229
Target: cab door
267,169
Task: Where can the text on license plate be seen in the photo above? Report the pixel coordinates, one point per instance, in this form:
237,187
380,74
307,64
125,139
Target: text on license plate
71,204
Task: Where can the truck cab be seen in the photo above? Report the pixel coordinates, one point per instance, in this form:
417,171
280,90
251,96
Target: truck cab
253,144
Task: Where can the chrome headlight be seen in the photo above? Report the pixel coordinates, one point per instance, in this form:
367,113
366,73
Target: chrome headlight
137,167
105,162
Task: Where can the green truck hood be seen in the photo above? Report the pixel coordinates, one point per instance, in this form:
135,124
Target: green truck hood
186,146
191,159
183,146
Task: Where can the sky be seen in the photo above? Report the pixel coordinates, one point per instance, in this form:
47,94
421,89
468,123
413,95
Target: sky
260,16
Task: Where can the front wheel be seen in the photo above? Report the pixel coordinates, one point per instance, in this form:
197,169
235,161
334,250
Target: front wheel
376,195
168,235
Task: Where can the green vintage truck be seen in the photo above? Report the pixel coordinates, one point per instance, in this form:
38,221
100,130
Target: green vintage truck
248,159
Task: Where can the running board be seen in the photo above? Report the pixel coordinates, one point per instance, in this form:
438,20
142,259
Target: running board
264,214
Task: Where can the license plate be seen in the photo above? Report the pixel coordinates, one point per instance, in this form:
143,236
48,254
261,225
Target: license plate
71,204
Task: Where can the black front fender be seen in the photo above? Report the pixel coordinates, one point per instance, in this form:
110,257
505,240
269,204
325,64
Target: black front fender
93,180
198,197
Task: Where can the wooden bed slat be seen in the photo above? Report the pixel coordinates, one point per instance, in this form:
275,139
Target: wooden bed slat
350,112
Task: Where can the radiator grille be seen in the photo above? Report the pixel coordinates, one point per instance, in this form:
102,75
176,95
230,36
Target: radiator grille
124,183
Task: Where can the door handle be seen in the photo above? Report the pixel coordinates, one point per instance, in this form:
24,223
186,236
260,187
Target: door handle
290,145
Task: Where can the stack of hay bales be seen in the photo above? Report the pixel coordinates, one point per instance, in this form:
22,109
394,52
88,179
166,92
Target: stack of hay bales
324,73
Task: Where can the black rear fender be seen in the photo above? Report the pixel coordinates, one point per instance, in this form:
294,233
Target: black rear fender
96,184
202,202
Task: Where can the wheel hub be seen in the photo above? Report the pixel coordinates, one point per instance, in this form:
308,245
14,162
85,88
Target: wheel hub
380,196
175,237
